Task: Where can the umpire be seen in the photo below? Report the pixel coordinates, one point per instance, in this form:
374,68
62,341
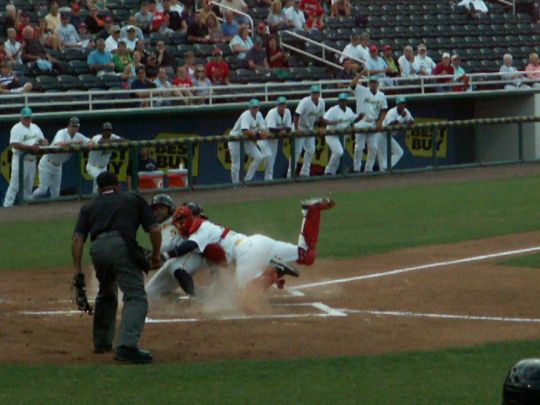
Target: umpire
112,220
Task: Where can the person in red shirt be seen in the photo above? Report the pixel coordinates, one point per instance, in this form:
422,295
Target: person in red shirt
217,70
183,82
314,12
444,68
276,56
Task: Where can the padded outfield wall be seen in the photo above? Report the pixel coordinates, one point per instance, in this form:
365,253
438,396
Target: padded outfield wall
212,163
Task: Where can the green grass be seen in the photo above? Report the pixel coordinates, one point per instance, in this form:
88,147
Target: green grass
363,223
458,376
524,261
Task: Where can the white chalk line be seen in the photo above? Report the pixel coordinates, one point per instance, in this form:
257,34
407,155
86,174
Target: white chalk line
418,268
408,314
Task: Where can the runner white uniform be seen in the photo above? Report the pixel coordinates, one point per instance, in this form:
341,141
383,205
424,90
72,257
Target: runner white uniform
275,121
164,281
396,150
344,120
371,105
98,160
27,136
309,113
246,121
50,165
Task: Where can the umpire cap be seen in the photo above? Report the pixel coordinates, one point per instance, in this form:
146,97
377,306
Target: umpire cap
74,121
107,126
107,179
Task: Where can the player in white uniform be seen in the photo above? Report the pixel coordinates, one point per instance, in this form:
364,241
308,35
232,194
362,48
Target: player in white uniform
279,122
309,111
259,260
371,104
25,136
250,123
339,117
98,160
399,115
50,165
176,271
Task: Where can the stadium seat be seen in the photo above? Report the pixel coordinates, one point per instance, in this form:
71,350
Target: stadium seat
88,81
67,82
73,54
46,83
120,15
111,80
78,67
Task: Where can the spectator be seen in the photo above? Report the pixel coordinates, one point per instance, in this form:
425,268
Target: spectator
158,17
407,63
4,57
214,29
393,65
164,59
349,72
198,32
53,18
425,63
230,27
130,71
142,83
183,84
189,65
314,12
75,16
277,20
261,32
162,82
176,22
144,17
533,70
146,164
510,74
152,67
87,40
9,83
24,21
202,85
33,51
99,61
239,5
11,20
94,22
376,65
459,75
13,47
276,56
45,37
340,8
67,35
296,17
217,70
177,6
241,43
131,22
444,68
256,56
363,46
131,38
352,52
206,10
121,58
164,28
111,43
107,29
474,8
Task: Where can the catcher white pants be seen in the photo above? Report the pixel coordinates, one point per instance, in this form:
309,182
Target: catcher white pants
50,178
308,144
13,188
164,282
250,149
372,140
382,153
95,171
268,148
337,151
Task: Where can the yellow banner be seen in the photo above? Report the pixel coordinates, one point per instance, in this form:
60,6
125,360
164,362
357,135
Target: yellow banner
419,141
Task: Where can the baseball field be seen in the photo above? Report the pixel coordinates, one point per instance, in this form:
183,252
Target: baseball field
425,291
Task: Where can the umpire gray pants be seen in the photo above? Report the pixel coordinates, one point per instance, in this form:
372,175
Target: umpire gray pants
115,268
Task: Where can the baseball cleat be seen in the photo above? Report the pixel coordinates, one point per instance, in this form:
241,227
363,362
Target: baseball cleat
323,203
283,268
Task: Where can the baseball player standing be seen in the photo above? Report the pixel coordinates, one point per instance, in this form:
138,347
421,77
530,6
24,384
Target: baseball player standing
98,160
339,117
279,122
371,104
50,165
25,136
309,111
399,115
249,124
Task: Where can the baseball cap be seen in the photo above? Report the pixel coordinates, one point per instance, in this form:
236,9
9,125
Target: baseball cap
76,7
115,28
373,79
26,112
281,100
445,55
74,121
107,179
130,28
217,52
315,89
83,24
343,96
387,48
400,100
107,125
254,103
373,48
65,14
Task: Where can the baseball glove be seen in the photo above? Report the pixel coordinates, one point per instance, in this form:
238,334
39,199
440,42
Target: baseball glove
80,294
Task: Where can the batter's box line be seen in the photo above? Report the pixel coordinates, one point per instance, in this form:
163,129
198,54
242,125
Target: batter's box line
409,314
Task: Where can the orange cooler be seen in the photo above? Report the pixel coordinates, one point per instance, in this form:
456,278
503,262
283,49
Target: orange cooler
150,180
177,178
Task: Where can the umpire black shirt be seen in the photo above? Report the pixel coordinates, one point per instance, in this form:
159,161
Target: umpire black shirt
115,211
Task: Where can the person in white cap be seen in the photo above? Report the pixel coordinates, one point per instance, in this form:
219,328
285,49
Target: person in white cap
399,115
425,63
98,160
338,117
50,165
475,8
444,68
279,122
249,124
25,136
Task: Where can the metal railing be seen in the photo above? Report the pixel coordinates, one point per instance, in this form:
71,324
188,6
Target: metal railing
389,131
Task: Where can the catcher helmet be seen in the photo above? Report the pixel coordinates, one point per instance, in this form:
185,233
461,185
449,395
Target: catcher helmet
195,208
183,219
522,384
163,199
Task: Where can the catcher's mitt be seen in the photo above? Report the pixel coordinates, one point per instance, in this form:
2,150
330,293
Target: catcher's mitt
80,294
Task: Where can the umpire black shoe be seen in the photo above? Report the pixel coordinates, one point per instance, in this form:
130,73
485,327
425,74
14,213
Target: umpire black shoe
283,268
102,349
132,355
